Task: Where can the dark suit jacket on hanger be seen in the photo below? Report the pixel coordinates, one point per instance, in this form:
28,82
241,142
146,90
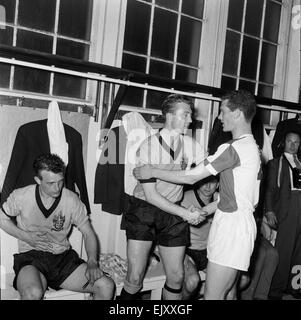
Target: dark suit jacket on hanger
217,136
32,141
109,175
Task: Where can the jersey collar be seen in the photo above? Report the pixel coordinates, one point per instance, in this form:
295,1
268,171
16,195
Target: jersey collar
46,212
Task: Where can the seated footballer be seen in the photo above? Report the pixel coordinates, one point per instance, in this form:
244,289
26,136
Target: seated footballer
40,216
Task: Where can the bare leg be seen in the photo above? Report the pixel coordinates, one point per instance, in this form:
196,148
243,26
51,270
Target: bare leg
102,289
173,262
31,283
232,293
191,279
137,255
219,280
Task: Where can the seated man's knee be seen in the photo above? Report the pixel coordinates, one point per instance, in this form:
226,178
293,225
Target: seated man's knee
244,281
32,292
104,287
192,281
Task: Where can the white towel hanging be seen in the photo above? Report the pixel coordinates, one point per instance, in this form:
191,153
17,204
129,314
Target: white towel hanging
56,132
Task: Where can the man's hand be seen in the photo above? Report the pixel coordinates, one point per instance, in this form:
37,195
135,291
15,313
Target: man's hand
266,230
38,240
271,219
93,272
143,172
195,215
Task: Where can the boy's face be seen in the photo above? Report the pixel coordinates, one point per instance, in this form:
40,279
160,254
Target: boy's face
50,183
208,189
227,117
181,117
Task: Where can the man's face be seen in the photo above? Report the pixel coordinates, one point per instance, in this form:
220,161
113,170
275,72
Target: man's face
181,117
208,189
50,183
292,142
227,117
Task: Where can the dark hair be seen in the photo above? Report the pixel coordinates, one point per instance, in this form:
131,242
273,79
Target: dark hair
242,100
282,143
49,162
168,105
208,179
291,132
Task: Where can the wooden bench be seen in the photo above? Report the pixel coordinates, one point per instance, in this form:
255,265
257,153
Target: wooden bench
154,282
9,293
9,246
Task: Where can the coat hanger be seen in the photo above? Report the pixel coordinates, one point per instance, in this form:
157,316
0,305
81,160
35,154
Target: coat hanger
298,117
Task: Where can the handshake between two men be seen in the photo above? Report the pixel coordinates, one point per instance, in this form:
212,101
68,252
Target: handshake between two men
192,214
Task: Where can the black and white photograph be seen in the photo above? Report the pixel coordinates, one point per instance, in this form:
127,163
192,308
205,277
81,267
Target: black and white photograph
150,151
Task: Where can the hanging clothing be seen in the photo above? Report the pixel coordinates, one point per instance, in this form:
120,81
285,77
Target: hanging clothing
137,129
32,141
56,132
218,137
114,179
109,175
266,151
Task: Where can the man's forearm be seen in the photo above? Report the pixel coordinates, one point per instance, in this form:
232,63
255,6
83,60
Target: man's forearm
178,177
11,228
211,207
169,207
91,247
182,177
162,203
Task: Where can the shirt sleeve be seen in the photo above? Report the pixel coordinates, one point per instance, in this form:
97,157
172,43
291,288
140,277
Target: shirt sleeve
145,155
11,206
224,158
79,215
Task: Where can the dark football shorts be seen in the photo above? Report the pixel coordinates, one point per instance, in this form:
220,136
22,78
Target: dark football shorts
143,221
56,268
199,258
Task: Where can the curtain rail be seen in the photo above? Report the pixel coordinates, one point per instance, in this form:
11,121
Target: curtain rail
103,78
114,73
124,82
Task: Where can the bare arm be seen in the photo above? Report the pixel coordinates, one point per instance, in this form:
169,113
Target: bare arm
180,177
210,208
93,272
37,240
153,197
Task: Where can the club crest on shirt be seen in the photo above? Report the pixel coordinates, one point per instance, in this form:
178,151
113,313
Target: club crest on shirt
58,222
